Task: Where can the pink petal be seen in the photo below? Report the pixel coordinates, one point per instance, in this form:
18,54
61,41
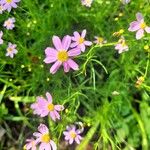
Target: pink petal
66,67
73,64
83,34
43,128
47,146
49,97
134,26
139,34
88,43
55,67
139,17
74,44
76,35
50,52
57,42
66,42
52,115
53,145
57,114
82,47
74,52
71,141
49,60
42,146
37,134
59,107
147,29
77,140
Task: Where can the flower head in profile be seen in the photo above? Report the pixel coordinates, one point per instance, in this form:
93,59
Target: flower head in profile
45,107
99,40
9,4
121,46
9,24
1,40
87,3
43,137
72,134
1,9
30,144
139,26
11,50
79,40
61,54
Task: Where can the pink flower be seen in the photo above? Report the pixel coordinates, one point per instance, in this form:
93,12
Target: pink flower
1,40
9,24
61,55
45,107
87,3
79,40
139,26
43,137
31,144
1,9
72,134
99,40
11,50
121,46
9,4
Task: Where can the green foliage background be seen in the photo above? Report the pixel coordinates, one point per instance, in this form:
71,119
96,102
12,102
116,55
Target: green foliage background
111,122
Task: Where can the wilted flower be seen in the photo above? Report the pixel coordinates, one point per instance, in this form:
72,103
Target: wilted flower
139,82
31,144
72,134
61,55
43,137
118,33
121,46
79,41
1,40
9,4
87,3
45,107
11,50
99,40
9,24
139,26
1,9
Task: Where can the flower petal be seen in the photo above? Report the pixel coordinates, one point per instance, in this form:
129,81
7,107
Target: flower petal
139,34
66,67
73,64
76,35
147,29
74,52
49,60
55,67
134,26
49,97
43,128
88,43
139,17
50,51
66,42
57,42
83,34
59,107
53,145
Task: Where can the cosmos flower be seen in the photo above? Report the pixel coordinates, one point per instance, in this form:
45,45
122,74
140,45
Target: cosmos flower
87,3
72,134
9,4
99,40
1,40
60,55
31,144
9,24
1,9
139,26
45,107
121,46
43,137
11,50
79,41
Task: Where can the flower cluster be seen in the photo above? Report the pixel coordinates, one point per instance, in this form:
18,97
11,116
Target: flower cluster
42,139
64,51
9,25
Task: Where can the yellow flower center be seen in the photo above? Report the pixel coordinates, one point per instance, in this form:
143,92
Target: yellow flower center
9,49
9,1
73,134
100,40
143,25
81,40
45,138
50,107
62,55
